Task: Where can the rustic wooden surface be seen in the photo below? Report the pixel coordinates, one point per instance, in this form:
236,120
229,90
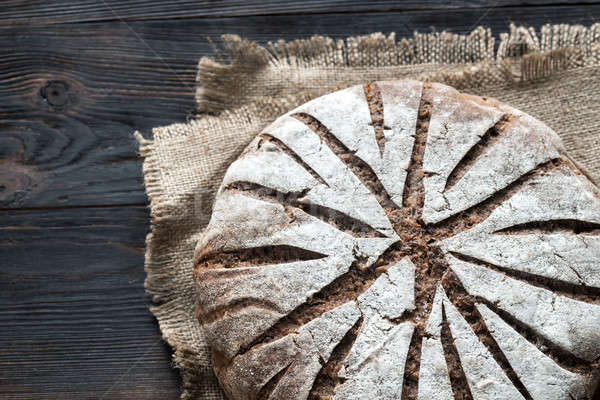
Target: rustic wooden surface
76,79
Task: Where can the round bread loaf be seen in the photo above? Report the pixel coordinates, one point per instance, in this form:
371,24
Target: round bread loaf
401,240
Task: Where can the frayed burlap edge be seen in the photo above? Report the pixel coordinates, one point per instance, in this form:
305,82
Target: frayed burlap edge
521,56
220,88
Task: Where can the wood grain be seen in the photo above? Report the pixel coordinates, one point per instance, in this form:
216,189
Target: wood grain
64,11
71,95
74,315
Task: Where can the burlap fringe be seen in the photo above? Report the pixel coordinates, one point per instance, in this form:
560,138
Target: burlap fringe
159,280
155,270
521,55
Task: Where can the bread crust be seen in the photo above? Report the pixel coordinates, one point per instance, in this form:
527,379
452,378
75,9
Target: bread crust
403,240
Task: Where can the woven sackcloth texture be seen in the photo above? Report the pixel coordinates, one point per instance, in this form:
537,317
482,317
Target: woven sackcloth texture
553,75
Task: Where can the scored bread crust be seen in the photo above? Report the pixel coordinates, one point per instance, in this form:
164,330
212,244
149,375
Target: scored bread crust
403,240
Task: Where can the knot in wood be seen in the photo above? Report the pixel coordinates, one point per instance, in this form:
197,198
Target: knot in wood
56,93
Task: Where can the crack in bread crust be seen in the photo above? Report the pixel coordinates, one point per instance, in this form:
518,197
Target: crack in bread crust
373,95
358,167
490,137
466,306
333,217
458,379
578,292
328,377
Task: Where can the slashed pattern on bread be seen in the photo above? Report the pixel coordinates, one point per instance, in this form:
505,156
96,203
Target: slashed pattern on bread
401,240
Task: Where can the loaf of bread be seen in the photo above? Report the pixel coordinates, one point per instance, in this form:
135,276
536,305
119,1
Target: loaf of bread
401,240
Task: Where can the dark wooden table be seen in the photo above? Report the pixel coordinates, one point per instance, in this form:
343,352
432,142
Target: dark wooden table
76,79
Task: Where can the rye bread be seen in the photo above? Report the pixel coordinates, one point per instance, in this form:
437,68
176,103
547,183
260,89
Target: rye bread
403,240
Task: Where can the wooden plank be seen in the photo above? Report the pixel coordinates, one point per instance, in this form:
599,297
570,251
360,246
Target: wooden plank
71,95
74,315
21,12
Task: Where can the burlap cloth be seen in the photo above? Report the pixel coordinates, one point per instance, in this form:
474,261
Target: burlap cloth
553,75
